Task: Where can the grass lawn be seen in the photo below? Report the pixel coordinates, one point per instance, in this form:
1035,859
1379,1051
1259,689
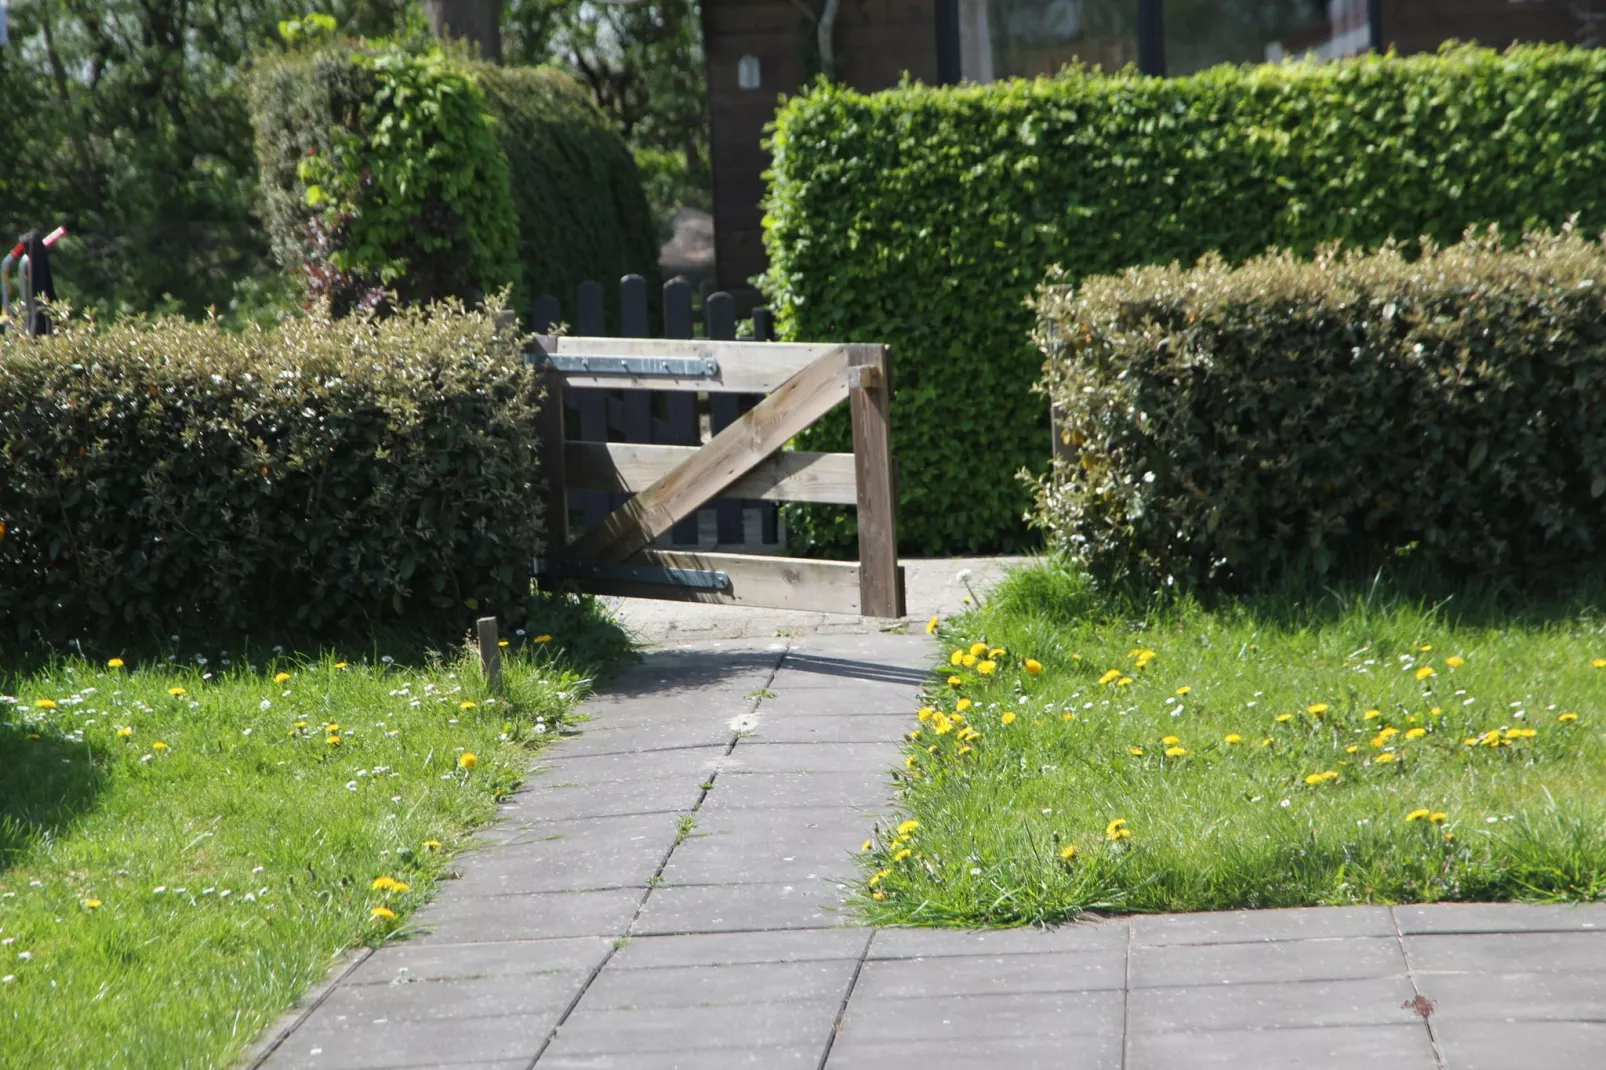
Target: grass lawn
185,846
1274,752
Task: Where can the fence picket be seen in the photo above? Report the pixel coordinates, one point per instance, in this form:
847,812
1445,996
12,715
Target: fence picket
680,408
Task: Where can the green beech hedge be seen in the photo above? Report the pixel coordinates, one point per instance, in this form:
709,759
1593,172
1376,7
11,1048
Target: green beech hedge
925,218
173,478
1232,426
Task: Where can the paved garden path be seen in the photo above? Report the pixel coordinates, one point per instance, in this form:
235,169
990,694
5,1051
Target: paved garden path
667,893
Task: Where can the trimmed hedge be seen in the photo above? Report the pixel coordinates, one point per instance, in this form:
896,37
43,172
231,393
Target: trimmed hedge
925,218
174,478
582,208
1235,426
380,166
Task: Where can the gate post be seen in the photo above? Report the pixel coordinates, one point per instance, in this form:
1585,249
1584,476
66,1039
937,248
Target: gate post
880,592
549,443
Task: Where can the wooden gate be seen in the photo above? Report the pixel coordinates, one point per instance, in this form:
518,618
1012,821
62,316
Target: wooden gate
743,459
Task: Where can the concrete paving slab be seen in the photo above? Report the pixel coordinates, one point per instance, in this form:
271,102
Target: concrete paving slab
1239,926
539,915
1500,917
1088,1014
979,975
706,729
828,728
743,907
934,943
841,701
755,757
737,788
1402,1046
1507,1045
597,769
1519,952
739,948
455,1000
804,1057
571,857
736,846
721,985
407,963
1353,958
1308,1004
328,1042
911,943
757,1026
1101,1051
553,798
1517,997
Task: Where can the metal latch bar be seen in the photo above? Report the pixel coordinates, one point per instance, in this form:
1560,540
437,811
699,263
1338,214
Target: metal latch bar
700,579
639,367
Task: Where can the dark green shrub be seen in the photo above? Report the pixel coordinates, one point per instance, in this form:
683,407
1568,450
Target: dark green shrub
380,165
171,477
1298,418
924,218
581,208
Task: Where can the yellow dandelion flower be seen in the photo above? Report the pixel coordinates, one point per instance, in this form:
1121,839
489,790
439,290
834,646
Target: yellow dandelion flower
1067,716
332,740
909,762
1455,661
1033,666
1372,715
931,626
866,845
1123,681
1386,757
1176,752
501,642
925,714
1008,717
342,665
466,705
1420,814
1425,647
1169,740
175,691
542,639
942,724
1284,718
1321,778
124,732
432,845
1317,709
1136,752
956,658
878,876
92,904
1599,663
1352,748
1110,677
996,652
1435,711
159,746
467,760
1184,689
1416,733
969,661
114,663
45,703
906,827
1438,817
1566,718
1424,672
978,649
280,677
956,681
962,705
1382,738
901,855
966,749
1266,742
382,914
1117,830
987,668
1067,852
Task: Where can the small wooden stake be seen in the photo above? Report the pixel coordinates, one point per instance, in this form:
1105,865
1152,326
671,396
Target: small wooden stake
490,653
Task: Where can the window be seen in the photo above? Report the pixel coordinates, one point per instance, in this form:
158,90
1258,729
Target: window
1026,38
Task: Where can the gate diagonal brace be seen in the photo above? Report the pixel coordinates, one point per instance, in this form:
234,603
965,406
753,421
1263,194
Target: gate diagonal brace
692,578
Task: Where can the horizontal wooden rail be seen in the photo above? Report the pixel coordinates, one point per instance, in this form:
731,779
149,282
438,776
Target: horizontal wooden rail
631,467
755,580
744,367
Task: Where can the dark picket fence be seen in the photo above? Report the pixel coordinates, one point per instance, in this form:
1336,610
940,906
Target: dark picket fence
671,418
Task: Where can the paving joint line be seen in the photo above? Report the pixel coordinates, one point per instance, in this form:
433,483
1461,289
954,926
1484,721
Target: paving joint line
652,882
1126,993
847,997
1421,1005
261,1058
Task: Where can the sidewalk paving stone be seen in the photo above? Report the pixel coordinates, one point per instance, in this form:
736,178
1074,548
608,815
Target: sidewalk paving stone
561,947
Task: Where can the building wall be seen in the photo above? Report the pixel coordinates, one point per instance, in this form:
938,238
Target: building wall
1422,25
876,42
